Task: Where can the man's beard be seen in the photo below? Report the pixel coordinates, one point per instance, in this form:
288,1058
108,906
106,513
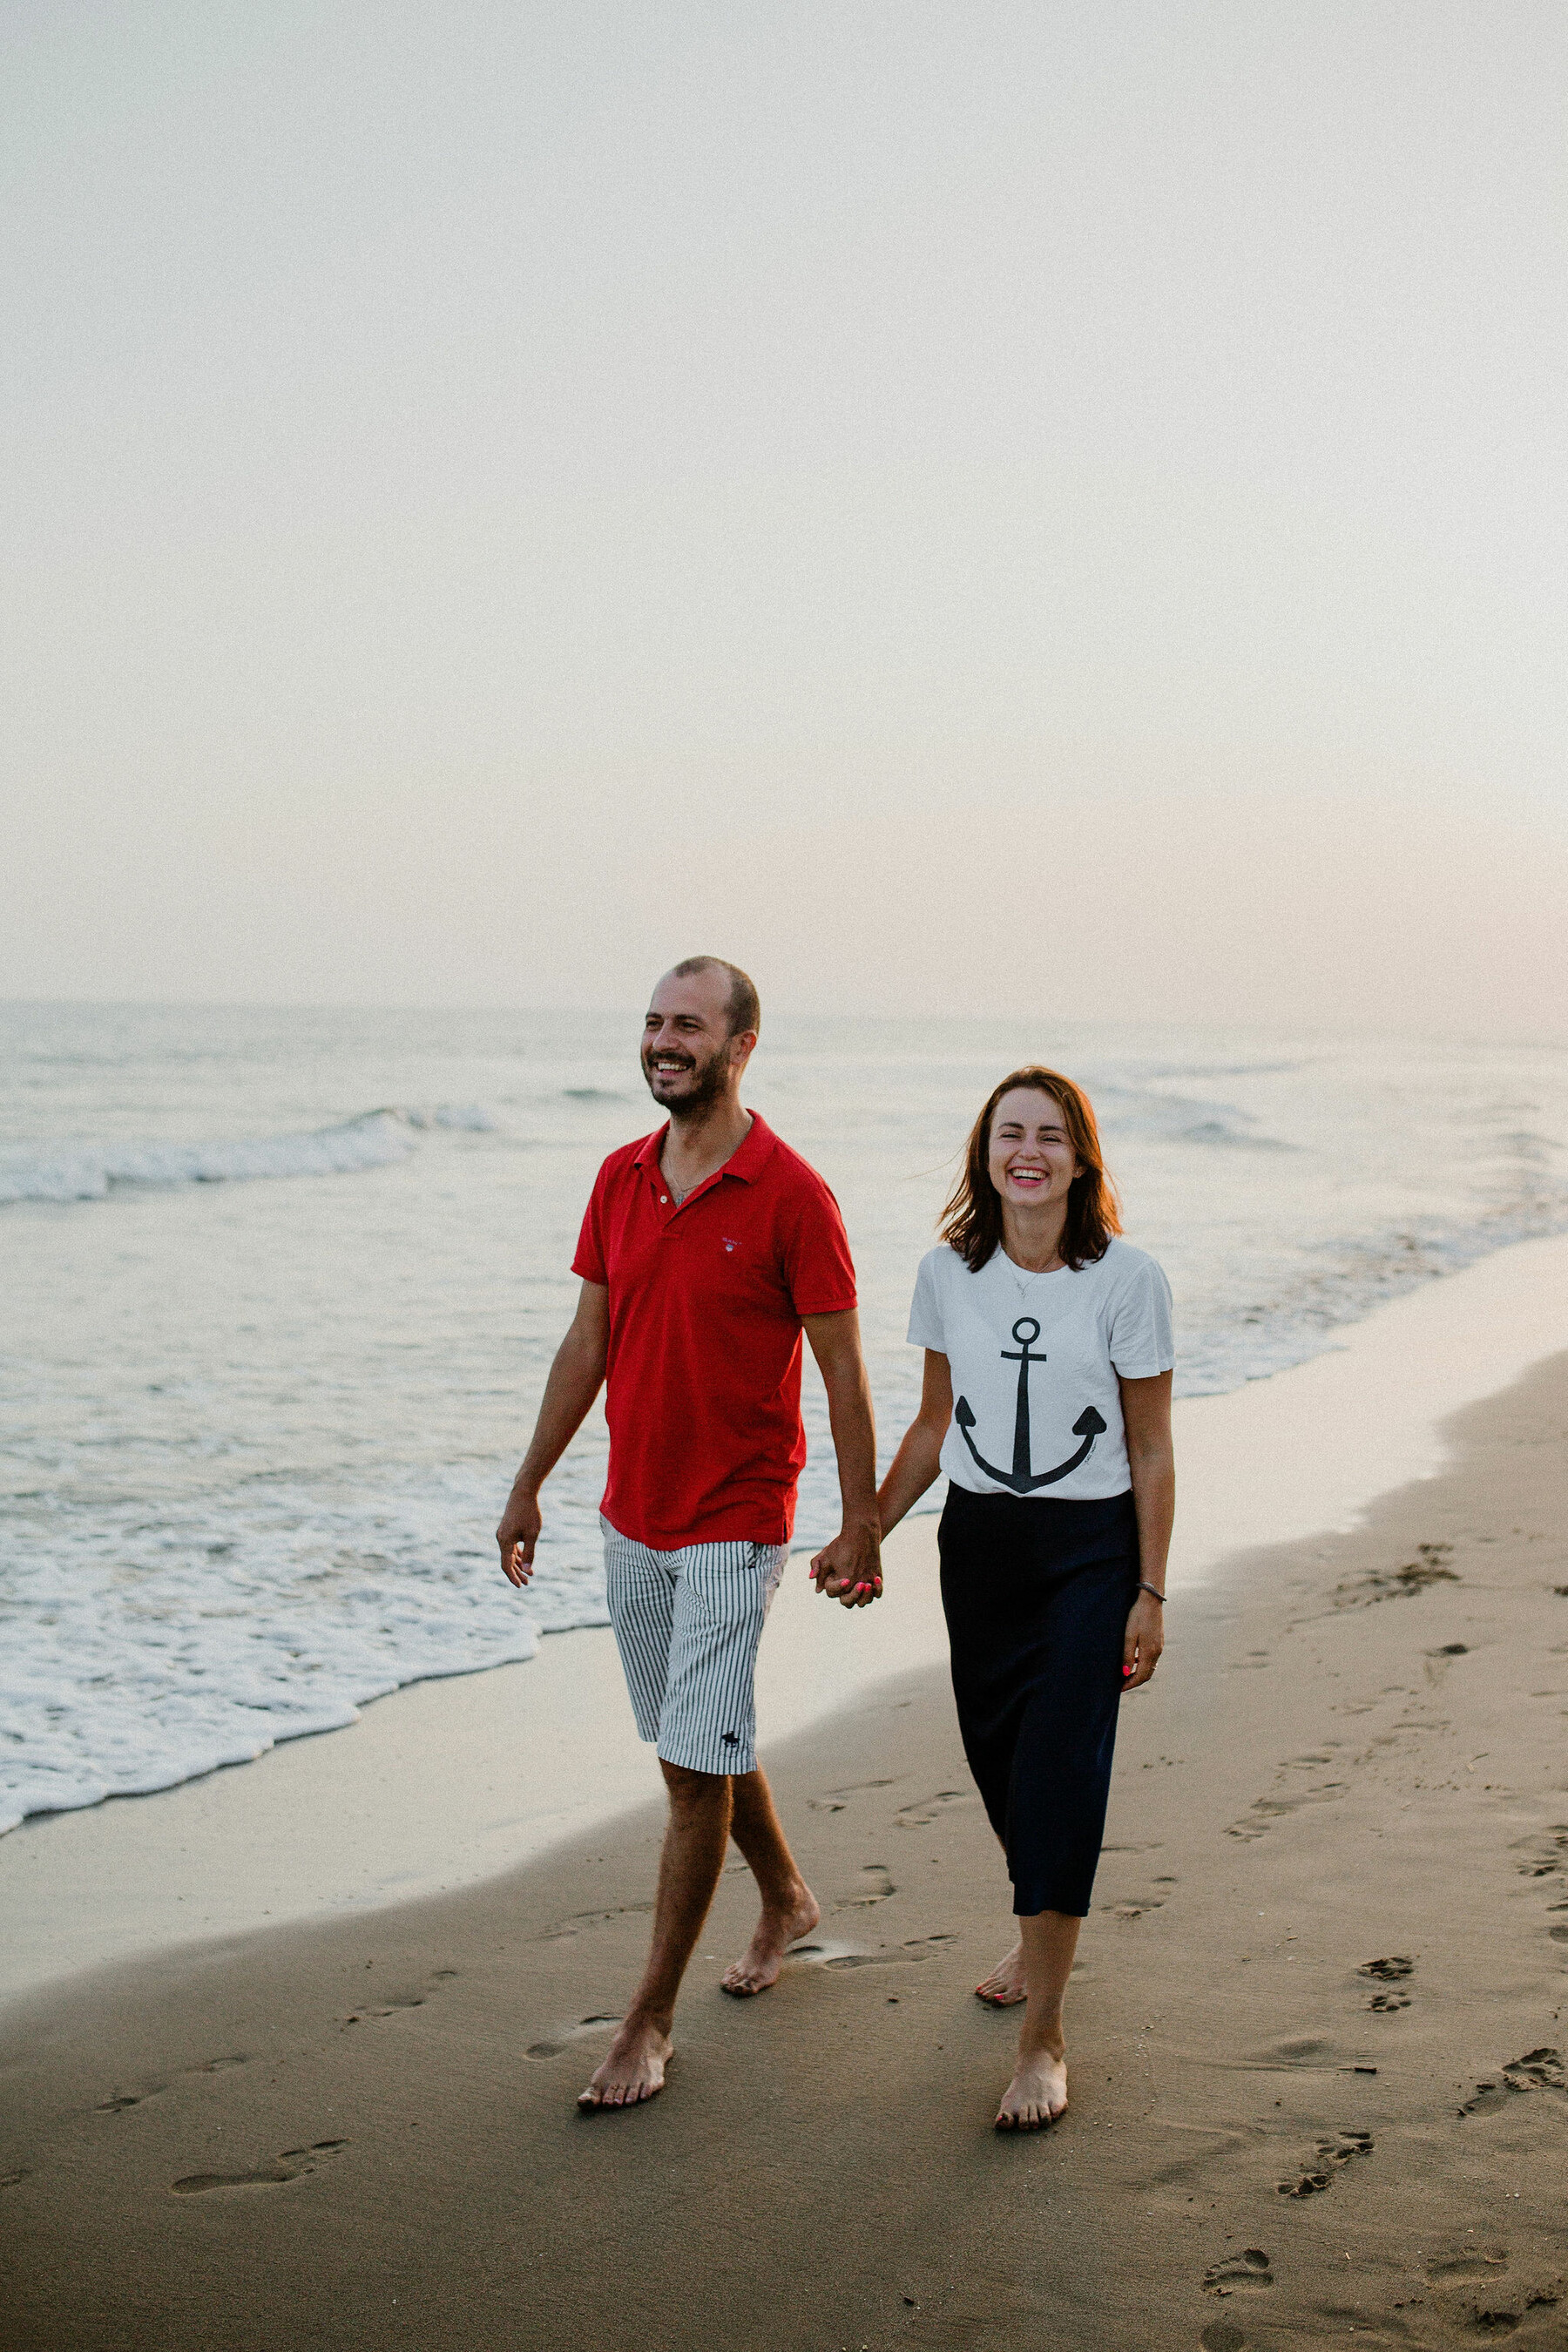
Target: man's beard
705,1081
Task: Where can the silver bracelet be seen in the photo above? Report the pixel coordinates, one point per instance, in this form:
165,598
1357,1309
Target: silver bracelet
1152,1594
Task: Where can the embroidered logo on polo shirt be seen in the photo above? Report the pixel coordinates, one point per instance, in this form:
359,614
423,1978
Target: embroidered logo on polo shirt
728,1242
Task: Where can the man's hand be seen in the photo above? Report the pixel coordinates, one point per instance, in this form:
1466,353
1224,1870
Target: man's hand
850,1569
1142,1643
518,1533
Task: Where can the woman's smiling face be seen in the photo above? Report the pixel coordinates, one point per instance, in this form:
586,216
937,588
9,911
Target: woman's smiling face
1031,1158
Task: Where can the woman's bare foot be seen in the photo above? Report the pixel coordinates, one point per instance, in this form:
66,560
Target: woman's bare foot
1005,1986
634,2069
1038,2093
776,1930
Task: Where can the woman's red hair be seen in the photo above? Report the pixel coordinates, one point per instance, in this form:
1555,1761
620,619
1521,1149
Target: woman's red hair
971,1222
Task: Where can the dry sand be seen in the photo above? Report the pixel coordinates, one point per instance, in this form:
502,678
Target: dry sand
1316,2034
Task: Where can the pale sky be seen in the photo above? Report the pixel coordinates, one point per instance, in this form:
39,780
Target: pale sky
959,508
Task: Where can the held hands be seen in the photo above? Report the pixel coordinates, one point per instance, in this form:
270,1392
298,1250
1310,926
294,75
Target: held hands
1141,1645
517,1535
850,1569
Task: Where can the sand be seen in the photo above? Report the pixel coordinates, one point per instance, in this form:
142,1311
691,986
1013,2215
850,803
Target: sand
1316,2033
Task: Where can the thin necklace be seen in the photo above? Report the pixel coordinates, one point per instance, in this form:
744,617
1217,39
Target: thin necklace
1023,1276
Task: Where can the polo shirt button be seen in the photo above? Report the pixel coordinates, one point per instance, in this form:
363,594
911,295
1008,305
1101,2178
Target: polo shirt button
664,1199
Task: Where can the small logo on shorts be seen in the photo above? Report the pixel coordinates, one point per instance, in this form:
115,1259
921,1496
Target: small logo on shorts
732,1738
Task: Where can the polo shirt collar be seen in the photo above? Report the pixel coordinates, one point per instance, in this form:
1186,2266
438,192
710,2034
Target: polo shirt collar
746,1162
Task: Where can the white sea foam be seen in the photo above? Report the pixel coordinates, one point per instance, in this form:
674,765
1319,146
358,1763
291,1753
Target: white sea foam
87,1172
150,1649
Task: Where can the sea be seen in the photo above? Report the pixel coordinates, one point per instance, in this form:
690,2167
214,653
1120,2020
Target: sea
281,1289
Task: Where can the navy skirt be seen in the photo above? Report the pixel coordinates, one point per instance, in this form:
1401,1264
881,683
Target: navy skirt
1037,1595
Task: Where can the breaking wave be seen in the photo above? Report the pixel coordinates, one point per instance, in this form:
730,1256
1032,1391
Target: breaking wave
91,1172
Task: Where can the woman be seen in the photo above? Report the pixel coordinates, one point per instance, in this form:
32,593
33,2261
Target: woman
1048,1402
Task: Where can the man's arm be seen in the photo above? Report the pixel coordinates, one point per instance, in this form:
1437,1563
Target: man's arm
575,1379
851,1568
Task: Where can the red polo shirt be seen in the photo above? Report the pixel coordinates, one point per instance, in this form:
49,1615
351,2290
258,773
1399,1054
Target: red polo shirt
706,1306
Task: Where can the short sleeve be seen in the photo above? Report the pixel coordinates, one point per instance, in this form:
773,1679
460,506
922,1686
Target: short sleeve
818,1271
926,1328
589,1261
1142,1340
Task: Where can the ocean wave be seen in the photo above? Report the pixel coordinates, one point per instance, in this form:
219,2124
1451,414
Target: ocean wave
149,1649
1230,1138
90,1172
1142,1112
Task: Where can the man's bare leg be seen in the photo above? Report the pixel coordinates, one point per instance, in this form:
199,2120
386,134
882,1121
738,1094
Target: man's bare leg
1038,2093
789,1907
689,1868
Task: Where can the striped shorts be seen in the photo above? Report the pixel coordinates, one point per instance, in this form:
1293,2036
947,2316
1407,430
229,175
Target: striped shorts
688,1623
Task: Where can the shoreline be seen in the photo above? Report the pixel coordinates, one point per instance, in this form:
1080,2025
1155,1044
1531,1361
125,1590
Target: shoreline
449,1782
1317,2036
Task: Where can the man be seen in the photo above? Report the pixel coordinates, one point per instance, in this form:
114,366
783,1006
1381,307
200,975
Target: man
707,1249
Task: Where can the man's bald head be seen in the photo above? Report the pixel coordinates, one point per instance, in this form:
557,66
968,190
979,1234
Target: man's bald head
744,1009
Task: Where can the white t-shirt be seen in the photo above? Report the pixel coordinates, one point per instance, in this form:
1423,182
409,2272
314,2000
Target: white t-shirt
1035,1359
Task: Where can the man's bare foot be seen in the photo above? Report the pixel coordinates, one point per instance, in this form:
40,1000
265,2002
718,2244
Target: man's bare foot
1036,2094
1005,1986
634,2070
759,1965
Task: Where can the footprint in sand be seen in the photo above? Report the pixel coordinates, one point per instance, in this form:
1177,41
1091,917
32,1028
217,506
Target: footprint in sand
1134,1907
920,1816
122,2101
389,2004
1502,2304
1547,1852
292,2164
877,1887
580,1919
1430,1566
835,1799
568,2034
1461,2269
1316,2175
1394,1970
1538,2070
1243,2273
1222,2335
839,1956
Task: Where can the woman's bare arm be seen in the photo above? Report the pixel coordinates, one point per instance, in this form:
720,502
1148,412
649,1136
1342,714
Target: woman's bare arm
918,1461
1150,1457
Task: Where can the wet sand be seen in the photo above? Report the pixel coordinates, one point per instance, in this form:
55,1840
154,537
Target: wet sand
1316,2035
